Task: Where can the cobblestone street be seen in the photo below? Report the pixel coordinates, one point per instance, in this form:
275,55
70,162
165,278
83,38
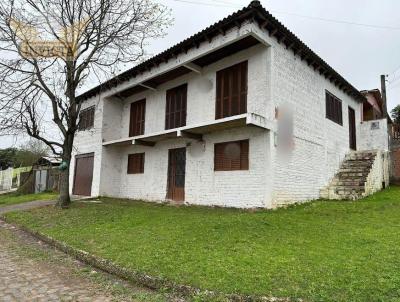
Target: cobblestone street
24,279
32,271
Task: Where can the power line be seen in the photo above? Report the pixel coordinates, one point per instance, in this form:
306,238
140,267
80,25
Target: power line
394,86
220,3
337,21
394,71
206,4
395,79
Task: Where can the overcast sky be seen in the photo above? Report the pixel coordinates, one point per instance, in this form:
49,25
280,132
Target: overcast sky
360,53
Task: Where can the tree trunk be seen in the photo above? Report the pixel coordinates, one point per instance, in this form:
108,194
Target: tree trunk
64,199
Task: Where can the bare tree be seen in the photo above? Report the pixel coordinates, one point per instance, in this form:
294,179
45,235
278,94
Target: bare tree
52,48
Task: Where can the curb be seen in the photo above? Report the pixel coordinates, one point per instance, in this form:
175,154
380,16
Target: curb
151,282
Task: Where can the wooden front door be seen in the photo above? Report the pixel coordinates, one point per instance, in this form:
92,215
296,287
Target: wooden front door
176,174
83,175
352,129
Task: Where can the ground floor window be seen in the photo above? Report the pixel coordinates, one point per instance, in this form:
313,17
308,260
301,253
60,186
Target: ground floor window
135,163
229,156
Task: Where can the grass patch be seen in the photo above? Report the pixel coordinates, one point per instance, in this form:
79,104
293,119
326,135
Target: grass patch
15,198
319,251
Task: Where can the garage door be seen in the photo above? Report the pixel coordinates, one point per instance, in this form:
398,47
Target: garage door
83,174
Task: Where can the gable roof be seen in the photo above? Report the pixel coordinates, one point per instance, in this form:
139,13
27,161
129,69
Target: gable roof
376,93
254,12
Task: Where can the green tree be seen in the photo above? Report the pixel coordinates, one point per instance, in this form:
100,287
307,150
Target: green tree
7,158
29,153
396,114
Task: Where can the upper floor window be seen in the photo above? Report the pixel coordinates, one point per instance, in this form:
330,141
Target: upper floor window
231,156
86,118
231,91
175,113
135,163
333,108
137,118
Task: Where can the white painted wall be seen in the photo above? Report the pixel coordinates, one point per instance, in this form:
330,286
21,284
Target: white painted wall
319,144
379,175
90,141
374,135
203,185
276,77
200,95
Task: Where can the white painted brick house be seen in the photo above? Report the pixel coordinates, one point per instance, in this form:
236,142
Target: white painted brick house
225,84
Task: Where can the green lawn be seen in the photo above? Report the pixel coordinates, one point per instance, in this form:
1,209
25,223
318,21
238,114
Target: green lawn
319,251
14,198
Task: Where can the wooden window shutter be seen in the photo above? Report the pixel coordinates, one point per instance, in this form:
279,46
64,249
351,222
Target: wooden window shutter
176,106
86,118
231,91
333,107
135,163
230,156
137,118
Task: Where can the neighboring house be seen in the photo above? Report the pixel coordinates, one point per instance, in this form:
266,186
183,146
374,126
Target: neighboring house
373,105
374,120
242,114
46,174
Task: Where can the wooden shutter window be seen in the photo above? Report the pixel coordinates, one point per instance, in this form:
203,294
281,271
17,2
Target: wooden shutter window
175,113
137,118
231,156
231,91
86,118
333,108
135,163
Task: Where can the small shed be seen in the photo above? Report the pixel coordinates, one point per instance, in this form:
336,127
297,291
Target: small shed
46,174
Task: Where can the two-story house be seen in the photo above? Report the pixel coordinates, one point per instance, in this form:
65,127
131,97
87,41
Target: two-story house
203,122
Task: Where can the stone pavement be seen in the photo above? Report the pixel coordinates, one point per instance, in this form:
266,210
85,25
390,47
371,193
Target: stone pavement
31,270
25,279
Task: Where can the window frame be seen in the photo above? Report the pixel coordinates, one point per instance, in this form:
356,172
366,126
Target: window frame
229,102
333,108
132,166
175,116
137,118
86,118
224,164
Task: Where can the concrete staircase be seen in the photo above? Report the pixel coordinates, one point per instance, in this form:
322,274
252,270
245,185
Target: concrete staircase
350,181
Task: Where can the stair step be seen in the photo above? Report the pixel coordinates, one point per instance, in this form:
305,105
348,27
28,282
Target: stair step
353,170
364,157
348,165
360,175
340,190
350,196
359,161
348,183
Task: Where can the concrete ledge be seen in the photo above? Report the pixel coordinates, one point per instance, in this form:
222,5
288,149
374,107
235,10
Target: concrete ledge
155,283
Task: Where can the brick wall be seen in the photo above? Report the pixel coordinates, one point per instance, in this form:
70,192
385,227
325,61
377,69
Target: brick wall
276,78
395,161
379,174
319,144
203,185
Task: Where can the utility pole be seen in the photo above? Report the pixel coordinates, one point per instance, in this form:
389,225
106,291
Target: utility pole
384,101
